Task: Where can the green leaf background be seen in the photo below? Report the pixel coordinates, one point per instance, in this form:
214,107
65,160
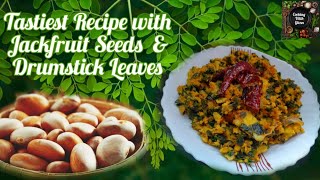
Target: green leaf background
196,25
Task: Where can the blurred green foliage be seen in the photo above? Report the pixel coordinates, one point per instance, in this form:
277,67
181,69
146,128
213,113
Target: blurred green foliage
197,25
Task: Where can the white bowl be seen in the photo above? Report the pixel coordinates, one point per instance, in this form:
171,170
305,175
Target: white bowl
278,156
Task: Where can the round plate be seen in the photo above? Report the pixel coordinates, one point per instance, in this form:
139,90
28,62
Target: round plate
278,157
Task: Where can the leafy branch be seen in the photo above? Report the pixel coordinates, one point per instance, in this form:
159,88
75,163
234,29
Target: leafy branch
158,139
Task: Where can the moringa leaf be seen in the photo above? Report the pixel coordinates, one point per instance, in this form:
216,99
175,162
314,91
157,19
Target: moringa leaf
186,50
211,3
156,115
124,98
228,4
303,57
284,53
232,20
94,34
243,10
154,82
116,93
91,82
74,4
158,132
138,94
85,4
247,33
99,95
233,35
265,33
68,92
273,8
37,3
148,42
289,46
108,89
147,119
189,39
187,2
68,34
138,85
208,18
66,6
2,27
262,44
1,93
83,88
99,86
34,57
45,7
170,58
214,10
214,34
5,79
191,12
276,19
143,33
31,32
3,55
202,7
95,7
65,84
6,72
171,49
199,24
7,36
222,42
171,147
4,64
175,3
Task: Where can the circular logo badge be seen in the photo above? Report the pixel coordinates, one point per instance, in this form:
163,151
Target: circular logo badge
299,18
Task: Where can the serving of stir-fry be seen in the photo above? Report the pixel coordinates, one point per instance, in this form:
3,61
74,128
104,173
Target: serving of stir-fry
241,105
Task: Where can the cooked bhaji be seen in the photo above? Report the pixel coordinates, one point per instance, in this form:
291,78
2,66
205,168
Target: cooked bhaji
241,105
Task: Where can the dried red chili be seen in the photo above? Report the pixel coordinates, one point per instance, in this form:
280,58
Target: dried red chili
247,77
246,80
233,72
252,97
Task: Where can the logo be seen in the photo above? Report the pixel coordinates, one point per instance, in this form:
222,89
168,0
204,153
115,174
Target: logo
300,19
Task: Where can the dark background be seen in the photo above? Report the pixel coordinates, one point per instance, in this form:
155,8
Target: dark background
180,165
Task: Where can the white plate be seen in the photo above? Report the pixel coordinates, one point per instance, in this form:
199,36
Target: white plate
279,156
